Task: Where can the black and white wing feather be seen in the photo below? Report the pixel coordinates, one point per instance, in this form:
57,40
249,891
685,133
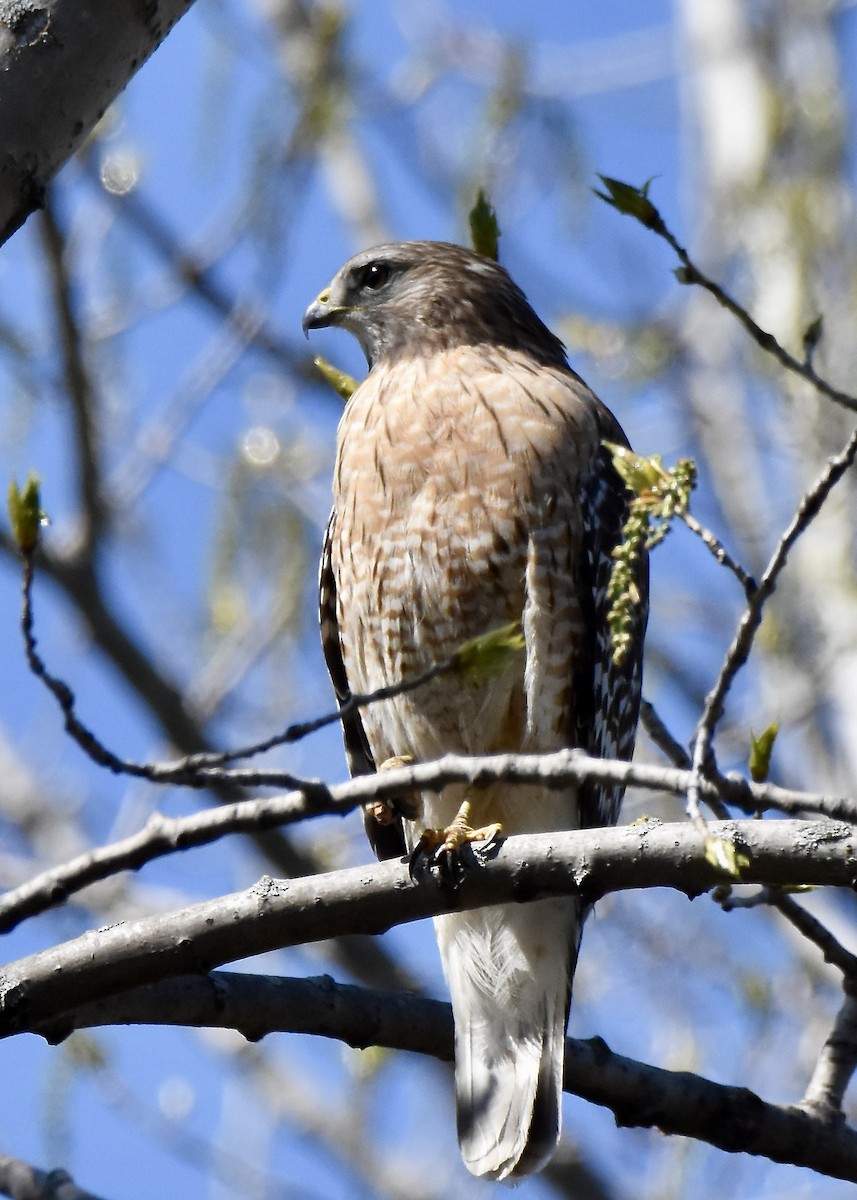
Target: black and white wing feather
387,841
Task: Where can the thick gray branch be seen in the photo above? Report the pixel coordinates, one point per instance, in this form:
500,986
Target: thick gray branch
62,62
165,835
372,899
732,1118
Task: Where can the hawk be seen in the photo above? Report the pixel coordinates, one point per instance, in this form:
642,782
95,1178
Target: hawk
472,489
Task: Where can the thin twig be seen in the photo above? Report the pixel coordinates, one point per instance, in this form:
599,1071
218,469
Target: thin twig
78,384
837,1060
737,654
691,274
661,736
721,554
813,930
194,770
301,729
60,690
675,752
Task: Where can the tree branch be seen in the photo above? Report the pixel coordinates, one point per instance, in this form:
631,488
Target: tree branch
366,960
372,899
635,202
61,65
78,385
732,1118
168,835
835,1066
737,654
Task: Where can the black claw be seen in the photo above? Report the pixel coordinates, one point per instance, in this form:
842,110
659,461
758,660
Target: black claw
417,862
444,868
450,866
483,852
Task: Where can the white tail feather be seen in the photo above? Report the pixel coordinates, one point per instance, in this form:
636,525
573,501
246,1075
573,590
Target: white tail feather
509,975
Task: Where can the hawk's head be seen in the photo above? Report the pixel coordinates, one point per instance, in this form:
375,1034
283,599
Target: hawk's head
410,298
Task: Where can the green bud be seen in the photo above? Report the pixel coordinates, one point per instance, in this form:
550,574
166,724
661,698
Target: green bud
344,385
26,513
639,474
761,748
630,200
484,228
725,856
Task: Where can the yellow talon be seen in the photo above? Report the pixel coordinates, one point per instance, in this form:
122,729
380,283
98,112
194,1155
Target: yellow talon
385,812
458,832
398,760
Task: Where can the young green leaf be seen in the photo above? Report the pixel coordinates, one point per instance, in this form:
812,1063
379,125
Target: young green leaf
482,658
25,512
726,856
484,227
344,385
639,474
761,748
630,200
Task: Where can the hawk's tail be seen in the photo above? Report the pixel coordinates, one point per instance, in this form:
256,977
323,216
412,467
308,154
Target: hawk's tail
509,972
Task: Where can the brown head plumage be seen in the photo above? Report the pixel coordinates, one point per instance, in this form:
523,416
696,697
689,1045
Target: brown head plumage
408,298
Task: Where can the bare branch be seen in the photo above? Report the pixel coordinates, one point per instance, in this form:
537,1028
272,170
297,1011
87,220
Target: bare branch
838,1058
554,769
836,1064
78,385
691,274
371,899
731,1118
192,771
737,654
713,543
812,929
661,736
60,67
366,960
312,798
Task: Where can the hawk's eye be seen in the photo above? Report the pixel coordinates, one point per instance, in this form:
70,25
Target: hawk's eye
373,276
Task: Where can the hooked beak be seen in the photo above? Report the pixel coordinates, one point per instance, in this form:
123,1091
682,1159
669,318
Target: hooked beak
320,313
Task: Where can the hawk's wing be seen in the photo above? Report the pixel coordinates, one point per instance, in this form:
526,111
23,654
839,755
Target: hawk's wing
606,695
388,841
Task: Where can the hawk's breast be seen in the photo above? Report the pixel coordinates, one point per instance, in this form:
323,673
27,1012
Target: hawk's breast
450,470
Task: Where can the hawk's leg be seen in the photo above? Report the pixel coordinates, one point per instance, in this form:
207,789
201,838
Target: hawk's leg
385,812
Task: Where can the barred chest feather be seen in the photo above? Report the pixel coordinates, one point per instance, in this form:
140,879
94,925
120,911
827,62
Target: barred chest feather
447,484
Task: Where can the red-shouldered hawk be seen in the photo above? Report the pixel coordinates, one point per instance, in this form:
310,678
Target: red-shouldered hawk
472,489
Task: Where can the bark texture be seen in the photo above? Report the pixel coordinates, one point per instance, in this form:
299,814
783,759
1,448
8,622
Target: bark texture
62,62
